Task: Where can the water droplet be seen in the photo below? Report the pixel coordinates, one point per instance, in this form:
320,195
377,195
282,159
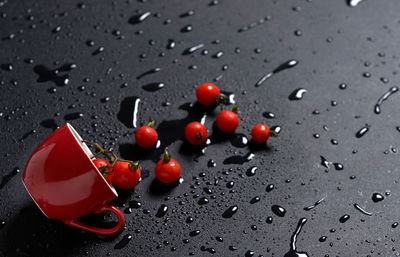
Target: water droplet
239,140
237,159
192,49
251,171
383,98
203,201
8,177
152,71
269,115
377,197
194,233
358,207
293,252
343,86
211,163
139,18
124,241
162,211
278,210
322,238
187,28
286,65
254,24
152,87
128,111
354,3
297,94
73,116
308,208
228,213
270,187
255,200
344,218
362,131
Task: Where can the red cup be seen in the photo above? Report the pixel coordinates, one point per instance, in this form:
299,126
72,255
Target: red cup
65,184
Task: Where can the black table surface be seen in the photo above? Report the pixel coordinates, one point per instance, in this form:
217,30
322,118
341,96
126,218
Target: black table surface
348,58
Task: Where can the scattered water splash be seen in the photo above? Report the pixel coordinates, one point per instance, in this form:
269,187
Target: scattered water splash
297,94
383,98
293,252
308,208
358,207
254,24
286,65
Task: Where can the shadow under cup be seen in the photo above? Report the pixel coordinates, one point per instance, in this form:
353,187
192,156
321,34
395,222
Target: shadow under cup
65,184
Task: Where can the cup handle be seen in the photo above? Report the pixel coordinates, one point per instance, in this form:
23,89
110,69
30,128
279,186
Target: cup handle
102,231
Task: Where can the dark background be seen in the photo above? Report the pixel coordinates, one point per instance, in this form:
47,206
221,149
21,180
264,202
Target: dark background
333,42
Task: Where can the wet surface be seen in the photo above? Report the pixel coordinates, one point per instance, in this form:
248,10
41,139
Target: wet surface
322,74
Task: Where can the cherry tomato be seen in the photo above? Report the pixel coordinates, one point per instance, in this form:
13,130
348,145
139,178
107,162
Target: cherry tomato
195,133
105,169
207,94
146,136
260,133
126,174
227,121
167,169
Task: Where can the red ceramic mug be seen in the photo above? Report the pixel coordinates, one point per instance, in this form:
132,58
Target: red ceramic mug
65,184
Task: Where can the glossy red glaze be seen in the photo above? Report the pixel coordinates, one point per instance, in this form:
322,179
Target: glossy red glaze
65,183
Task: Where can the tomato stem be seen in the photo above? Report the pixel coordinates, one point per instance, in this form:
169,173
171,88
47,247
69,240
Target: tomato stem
104,170
199,135
167,155
235,108
134,165
151,123
221,98
272,133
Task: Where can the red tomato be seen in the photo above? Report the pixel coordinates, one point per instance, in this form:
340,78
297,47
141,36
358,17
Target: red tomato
207,94
227,121
195,133
105,169
260,133
126,174
167,169
146,136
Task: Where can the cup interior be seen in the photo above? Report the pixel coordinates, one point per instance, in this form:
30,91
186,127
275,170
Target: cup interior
89,155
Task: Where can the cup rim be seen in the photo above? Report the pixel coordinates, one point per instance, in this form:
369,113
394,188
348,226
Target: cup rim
87,152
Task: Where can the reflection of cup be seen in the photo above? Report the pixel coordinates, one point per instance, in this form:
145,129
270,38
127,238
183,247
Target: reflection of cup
65,184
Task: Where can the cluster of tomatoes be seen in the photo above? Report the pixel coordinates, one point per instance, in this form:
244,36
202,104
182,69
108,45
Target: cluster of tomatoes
126,174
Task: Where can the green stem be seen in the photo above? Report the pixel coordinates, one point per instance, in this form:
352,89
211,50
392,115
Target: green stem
167,156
